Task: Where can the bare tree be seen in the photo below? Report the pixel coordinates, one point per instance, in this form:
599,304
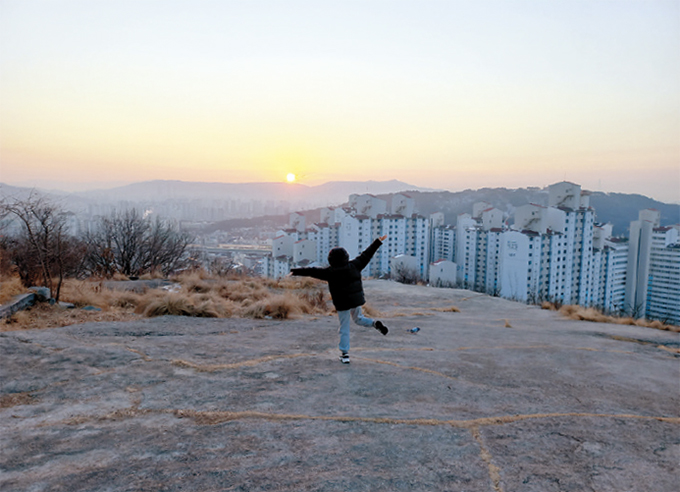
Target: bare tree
405,275
163,247
42,250
222,266
131,244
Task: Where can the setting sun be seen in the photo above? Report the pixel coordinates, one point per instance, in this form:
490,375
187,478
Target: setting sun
290,177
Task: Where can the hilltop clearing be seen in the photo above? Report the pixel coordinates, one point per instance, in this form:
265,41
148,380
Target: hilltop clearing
499,396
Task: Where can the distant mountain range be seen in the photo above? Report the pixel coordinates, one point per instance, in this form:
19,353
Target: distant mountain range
617,208
147,193
331,193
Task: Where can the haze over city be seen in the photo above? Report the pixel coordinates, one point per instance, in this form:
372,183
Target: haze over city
441,94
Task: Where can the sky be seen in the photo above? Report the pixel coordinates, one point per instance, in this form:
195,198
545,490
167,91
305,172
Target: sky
442,94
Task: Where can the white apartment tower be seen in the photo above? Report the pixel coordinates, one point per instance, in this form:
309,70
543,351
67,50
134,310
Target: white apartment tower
467,231
442,239
611,277
653,274
663,293
639,255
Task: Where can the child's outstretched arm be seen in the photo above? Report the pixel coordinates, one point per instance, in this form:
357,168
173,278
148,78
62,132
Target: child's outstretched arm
362,260
320,273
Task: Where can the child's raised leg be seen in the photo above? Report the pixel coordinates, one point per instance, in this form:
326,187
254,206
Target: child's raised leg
362,320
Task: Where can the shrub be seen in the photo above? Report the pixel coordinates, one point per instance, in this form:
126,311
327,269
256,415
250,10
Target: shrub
245,292
85,293
167,304
125,299
315,300
298,283
196,286
280,306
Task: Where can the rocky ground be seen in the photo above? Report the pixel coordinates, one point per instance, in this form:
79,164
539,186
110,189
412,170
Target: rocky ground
497,397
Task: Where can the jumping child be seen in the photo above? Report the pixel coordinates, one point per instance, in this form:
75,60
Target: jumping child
347,291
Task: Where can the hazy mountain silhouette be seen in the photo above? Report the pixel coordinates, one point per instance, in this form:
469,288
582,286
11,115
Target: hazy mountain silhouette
617,208
333,193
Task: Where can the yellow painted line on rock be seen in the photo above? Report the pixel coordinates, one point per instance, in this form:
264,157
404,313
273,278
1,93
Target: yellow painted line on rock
412,368
220,417
144,357
269,358
236,365
494,471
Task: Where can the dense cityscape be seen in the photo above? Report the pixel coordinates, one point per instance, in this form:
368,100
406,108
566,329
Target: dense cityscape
555,253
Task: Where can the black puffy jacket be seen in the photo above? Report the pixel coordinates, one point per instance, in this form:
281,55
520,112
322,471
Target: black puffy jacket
344,281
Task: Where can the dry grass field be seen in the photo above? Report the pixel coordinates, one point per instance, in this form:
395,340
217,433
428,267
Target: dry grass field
199,294
195,294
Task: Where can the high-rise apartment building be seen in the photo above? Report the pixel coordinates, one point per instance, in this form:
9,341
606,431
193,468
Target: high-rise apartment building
653,273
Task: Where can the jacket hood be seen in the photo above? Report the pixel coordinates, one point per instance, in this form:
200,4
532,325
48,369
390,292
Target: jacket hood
338,257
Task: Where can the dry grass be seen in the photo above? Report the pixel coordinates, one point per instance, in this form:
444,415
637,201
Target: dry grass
449,309
93,293
280,306
245,292
199,295
16,399
10,287
42,316
201,305
370,311
591,314
167,304
549,306
297,283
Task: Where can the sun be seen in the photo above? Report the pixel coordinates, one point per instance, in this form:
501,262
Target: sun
290,177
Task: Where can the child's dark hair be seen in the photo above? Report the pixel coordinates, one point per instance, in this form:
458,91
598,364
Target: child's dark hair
338,257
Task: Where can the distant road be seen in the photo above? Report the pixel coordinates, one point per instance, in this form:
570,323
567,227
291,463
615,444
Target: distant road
235,248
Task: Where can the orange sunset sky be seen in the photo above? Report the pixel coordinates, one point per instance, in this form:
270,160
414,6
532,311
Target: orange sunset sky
443,94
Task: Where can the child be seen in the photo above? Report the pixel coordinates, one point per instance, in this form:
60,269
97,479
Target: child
347,292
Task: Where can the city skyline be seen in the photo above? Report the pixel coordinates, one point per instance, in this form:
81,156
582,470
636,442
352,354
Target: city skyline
446,95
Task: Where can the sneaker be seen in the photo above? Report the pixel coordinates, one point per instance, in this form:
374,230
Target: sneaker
381,328
344,358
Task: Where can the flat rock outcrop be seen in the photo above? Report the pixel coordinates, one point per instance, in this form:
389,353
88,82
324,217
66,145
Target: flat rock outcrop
466,404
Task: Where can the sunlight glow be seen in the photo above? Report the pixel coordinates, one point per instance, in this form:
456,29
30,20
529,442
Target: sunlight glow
290,177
